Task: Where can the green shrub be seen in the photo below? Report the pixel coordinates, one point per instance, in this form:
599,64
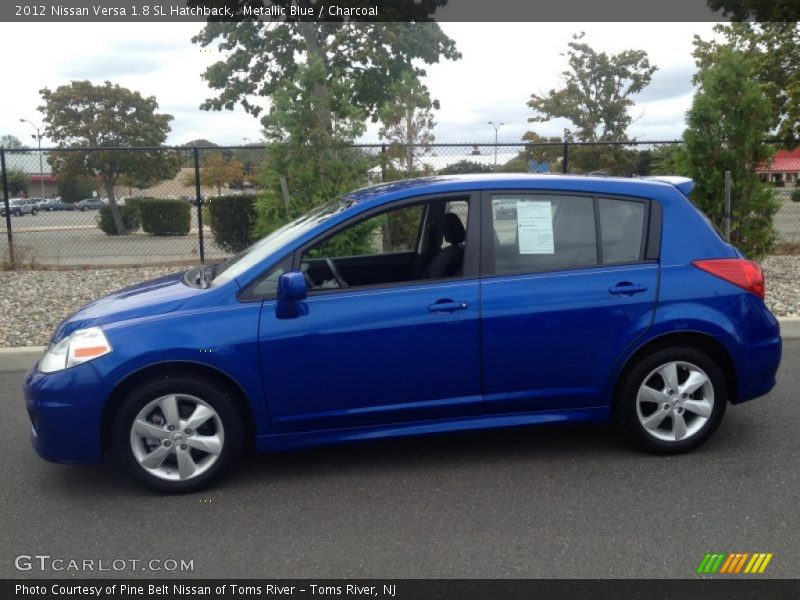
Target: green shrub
137,202
231,219
165,217
795,195
130,219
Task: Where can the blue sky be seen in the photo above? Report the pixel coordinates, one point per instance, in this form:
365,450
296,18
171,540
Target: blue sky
502,64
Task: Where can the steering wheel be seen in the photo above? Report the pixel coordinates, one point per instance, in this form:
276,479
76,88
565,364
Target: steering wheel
335,272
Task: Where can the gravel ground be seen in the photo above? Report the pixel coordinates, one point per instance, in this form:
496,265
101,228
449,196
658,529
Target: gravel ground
33,302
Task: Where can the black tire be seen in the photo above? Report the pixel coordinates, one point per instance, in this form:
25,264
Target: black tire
34,212
625,406
205,390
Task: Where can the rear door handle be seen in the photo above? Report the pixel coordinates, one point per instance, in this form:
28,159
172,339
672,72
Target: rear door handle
625,288
447,306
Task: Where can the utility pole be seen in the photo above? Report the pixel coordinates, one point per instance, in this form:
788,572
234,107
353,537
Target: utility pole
497,127
38,137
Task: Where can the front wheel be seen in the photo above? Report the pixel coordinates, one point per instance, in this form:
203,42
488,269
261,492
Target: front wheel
177,434
672,400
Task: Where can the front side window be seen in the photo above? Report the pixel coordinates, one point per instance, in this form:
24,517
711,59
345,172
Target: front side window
415,242
541,233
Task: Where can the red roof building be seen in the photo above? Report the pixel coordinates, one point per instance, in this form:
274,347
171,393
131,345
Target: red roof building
785,167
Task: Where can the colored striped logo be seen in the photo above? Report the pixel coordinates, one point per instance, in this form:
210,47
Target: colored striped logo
734,563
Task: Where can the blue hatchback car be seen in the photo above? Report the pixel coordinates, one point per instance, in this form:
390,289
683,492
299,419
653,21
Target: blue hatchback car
423,306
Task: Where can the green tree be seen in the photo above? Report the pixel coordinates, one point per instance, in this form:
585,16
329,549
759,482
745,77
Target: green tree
407,121
465,166
10,141
217,172
539,149
262,58
669,159
774,60
201,143
313,164
772,11
596,97
76,188
84,114
727,127
18,182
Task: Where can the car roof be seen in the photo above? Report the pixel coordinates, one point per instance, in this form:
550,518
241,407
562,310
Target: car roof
453,183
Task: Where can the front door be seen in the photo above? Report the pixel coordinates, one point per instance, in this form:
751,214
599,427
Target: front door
392,326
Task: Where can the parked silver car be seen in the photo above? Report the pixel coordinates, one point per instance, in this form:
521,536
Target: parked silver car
19,206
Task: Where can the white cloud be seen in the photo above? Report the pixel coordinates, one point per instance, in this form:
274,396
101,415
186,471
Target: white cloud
503,63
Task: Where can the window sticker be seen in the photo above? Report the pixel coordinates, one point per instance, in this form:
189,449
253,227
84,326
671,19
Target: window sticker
535,227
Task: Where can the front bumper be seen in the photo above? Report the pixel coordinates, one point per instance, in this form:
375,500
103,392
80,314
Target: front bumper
66,412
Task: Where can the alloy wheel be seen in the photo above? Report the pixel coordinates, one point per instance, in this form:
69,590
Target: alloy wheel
675,401
177,437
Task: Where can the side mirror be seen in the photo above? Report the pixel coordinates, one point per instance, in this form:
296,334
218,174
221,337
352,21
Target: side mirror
292,286
292,290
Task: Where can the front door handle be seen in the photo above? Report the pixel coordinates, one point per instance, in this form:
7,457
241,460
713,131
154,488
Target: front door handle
626,288
448,306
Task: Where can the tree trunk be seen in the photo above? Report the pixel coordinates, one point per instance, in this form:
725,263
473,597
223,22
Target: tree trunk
410,137
320,88
108,183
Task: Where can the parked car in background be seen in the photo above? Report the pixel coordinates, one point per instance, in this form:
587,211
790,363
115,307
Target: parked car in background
54,204
18,207
91,204
594,299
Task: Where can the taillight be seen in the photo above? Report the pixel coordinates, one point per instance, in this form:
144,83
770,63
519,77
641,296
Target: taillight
738,271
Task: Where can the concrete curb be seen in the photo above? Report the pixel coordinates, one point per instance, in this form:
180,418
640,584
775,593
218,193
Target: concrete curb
22,358
19,359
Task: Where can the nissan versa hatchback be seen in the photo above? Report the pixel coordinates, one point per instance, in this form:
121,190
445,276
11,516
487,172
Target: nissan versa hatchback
423,306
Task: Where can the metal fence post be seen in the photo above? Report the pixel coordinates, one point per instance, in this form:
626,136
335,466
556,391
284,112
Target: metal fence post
7,208
565,159
728,205
199,201
383,162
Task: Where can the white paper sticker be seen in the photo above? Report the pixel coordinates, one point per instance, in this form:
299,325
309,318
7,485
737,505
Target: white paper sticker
535,227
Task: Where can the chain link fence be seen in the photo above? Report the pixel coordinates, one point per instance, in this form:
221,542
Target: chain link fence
50,220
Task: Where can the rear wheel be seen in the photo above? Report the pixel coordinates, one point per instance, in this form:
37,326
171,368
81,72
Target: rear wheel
672,400
177,434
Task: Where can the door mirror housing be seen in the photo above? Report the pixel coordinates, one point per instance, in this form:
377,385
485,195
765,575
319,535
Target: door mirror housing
292,287
292,290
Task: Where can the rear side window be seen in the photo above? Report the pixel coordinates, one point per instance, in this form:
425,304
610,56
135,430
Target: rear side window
542,233
621,229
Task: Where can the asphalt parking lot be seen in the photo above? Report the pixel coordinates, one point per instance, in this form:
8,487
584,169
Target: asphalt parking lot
556,502
63,238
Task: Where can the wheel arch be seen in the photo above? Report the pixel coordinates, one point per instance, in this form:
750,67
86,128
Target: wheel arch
132,380
692,339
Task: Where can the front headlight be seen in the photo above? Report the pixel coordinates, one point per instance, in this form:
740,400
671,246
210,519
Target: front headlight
79,347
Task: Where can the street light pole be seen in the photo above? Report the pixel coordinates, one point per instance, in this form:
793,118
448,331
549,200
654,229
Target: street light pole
38,137
496,126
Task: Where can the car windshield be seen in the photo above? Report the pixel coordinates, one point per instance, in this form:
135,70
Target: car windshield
245,260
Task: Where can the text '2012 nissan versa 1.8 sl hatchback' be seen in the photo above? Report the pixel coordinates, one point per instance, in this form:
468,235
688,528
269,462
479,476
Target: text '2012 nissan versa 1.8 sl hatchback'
422,306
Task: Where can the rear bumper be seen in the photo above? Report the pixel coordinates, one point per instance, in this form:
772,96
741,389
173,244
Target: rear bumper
759,370
66,409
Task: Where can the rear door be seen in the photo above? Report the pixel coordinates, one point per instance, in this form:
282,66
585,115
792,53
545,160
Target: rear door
568,282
